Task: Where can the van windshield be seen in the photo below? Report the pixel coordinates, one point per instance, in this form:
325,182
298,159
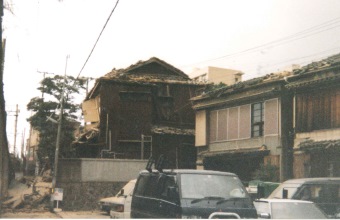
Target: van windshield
197,186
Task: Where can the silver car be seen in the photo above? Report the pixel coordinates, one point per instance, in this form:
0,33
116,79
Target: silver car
287,209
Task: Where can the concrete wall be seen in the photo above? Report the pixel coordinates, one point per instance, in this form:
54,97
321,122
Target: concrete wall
85,181
99,170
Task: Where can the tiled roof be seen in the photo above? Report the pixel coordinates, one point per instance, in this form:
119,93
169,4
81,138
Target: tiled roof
172,130
318,145
318,73
316,66
244,84
129,75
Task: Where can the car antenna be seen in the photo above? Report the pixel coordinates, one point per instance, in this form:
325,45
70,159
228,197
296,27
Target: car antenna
148,167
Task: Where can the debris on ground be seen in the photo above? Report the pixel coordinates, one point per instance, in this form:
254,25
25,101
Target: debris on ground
29,192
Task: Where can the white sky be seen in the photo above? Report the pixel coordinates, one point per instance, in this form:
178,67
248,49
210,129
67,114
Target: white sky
184,33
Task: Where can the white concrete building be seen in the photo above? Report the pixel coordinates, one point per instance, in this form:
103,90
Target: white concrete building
216,75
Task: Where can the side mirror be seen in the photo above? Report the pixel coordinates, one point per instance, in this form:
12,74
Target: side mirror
284,194
260,191
121,192
264,215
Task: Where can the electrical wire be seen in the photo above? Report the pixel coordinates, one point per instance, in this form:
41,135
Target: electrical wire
98,39
297,36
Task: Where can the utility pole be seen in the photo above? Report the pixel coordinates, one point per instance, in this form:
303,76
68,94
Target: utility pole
44,75
54,180
23,144
15,129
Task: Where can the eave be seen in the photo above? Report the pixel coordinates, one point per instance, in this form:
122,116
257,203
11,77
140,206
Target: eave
224,101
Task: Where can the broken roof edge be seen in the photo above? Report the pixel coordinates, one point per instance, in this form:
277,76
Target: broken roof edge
170,130
316,66
245,85
151,60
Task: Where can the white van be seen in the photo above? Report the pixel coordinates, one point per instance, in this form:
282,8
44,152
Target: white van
120,205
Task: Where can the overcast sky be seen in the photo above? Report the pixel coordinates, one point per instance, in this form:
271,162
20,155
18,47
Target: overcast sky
255,36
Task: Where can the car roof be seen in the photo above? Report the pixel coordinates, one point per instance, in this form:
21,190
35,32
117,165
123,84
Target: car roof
190,171
315,180
282,201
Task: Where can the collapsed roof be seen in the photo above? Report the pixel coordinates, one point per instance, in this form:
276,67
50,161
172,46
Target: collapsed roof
150,72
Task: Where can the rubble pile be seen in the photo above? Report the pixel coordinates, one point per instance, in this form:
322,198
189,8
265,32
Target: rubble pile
29,193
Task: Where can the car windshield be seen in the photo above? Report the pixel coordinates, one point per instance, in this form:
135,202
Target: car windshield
296,211
198,186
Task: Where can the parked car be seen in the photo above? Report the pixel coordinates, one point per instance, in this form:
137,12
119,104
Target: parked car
287,209
119,206
261,189
190,194
325,192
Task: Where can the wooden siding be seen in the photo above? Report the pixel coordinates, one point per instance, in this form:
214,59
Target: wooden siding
318,110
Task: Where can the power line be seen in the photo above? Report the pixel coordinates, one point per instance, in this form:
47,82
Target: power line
98,38
297,36
292,61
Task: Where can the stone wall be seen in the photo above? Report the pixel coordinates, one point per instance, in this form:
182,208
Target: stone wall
86,181
85,196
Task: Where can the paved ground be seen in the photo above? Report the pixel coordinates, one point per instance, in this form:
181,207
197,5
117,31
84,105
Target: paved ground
63,214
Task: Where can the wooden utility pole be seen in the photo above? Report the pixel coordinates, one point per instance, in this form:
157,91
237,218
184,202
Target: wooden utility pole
56,156
4,152
15,129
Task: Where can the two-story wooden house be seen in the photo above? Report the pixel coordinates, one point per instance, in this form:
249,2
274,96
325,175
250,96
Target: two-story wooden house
316,89
140,111
241,126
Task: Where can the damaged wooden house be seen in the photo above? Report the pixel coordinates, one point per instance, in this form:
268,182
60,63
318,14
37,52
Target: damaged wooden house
242,126
140,111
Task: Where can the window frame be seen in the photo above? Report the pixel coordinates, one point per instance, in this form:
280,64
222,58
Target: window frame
259,123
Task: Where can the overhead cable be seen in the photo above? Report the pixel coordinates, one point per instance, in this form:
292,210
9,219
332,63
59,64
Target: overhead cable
98,39
297,36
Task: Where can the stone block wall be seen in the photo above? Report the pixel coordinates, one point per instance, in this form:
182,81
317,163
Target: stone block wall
86,181
84,196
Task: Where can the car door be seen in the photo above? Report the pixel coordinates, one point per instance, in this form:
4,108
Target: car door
144,204
168,205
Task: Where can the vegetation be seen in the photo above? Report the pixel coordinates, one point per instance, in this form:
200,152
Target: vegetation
214,87
49,107
267,172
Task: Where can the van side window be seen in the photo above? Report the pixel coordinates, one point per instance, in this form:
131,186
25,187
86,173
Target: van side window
168,182
151,187
140,186
147,186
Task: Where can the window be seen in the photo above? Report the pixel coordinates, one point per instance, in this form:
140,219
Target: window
147,186
169,181
257,113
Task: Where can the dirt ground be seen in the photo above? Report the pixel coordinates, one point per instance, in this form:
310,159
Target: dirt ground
17,189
